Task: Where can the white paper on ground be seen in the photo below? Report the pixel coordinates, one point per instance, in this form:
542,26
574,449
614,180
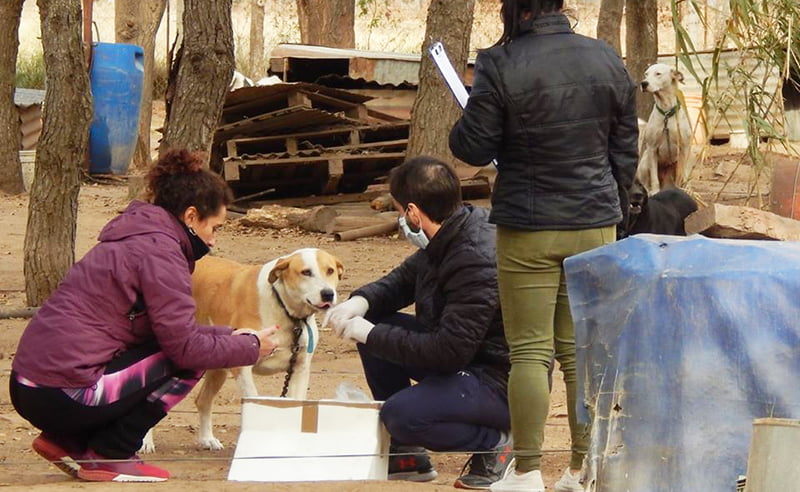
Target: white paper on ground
284,440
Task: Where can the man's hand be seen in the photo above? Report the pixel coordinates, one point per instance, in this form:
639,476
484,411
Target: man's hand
266,346
356,329
338,314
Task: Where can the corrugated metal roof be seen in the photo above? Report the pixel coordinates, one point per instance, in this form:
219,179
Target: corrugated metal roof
288,50
372,66
28,97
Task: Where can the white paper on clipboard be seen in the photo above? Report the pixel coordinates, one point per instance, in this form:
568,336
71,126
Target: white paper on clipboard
452,79
450,76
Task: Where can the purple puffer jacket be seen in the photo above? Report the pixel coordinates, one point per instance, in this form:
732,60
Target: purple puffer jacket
86,321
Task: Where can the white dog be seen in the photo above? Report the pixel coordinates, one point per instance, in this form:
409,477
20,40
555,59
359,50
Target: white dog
665,143
287,292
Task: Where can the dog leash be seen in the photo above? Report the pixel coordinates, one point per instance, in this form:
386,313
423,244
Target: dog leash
297,330
667,115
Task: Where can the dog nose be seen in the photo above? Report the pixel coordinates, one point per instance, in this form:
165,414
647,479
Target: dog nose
645,84
326,295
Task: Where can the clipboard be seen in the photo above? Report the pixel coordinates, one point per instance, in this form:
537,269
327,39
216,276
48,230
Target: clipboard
450,76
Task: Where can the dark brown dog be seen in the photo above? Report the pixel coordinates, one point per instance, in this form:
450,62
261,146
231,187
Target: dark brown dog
662,213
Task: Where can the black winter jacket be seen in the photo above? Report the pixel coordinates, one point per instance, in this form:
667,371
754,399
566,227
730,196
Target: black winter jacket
453,282
558,112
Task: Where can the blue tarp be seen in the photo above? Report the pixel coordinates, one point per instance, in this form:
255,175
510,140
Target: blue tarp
681,343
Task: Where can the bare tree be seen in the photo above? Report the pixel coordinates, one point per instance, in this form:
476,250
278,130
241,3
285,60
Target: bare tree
641,26
328,22
435,111
199,75
10,172
258,68
137,22
609,22
53,207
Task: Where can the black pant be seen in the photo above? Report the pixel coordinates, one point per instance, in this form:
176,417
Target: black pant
114,430
442,412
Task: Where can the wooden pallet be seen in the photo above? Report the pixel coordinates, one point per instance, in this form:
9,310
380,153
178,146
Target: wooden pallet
326,174
335,139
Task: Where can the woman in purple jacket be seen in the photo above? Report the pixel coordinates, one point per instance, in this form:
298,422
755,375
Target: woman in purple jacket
116,346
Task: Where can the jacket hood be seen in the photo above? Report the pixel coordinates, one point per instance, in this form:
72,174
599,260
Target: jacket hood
141,218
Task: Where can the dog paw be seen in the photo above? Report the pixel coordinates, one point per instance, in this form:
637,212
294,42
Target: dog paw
148,444
211,443
147,448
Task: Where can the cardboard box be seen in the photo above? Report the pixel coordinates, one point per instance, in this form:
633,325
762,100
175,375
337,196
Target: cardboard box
285,440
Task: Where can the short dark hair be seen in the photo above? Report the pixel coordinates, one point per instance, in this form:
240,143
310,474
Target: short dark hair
429,183
511,12
179,180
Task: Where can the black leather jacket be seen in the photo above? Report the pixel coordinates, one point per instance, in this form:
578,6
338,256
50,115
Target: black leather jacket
454,285
558,112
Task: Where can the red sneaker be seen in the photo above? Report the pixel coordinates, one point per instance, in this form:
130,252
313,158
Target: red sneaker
96,468
61,452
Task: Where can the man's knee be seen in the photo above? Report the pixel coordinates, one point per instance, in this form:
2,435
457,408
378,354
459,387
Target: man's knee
402,419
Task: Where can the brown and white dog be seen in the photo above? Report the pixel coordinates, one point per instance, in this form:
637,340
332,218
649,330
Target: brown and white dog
665,142
287,292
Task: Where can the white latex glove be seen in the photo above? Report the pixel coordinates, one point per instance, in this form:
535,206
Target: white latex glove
338,314
357,329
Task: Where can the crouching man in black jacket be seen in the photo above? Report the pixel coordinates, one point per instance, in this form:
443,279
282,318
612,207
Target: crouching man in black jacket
454,347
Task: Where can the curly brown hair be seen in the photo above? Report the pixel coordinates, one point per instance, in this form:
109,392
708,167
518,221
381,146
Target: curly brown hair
178,181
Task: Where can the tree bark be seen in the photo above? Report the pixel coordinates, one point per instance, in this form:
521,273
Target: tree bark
10,171
199,76
641,23
435,110
609,21
136,22
258,67
53,208
328,22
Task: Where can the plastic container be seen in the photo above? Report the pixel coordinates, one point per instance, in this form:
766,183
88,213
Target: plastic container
27,159
116,78
772,462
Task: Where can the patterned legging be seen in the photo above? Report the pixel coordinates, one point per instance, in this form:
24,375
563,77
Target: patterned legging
135,392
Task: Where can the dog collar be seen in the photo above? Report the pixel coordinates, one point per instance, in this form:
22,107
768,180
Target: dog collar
297,327
670,112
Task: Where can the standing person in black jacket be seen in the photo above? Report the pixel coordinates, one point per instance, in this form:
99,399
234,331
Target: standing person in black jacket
557,110
454,346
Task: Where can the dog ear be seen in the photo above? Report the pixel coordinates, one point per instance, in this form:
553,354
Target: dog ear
281,266
339,268
677,75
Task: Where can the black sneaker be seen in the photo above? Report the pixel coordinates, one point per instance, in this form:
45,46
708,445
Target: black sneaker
484,469
410,463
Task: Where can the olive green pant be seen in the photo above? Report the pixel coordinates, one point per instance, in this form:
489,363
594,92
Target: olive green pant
538,324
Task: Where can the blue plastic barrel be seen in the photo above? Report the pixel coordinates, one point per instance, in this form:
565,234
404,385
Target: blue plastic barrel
116,79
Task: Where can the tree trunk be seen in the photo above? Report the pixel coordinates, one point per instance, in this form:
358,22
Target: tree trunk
10,171
435,110
199,76
137,22
258,67
328,22
641,23
609,21
53,207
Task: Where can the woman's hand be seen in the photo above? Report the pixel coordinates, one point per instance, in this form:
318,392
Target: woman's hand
266,346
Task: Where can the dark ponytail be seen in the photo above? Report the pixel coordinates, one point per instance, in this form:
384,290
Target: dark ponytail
178,181
512,10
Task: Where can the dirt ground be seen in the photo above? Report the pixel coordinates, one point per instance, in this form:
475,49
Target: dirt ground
192,468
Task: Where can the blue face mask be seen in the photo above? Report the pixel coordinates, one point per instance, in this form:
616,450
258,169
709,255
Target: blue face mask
417,238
